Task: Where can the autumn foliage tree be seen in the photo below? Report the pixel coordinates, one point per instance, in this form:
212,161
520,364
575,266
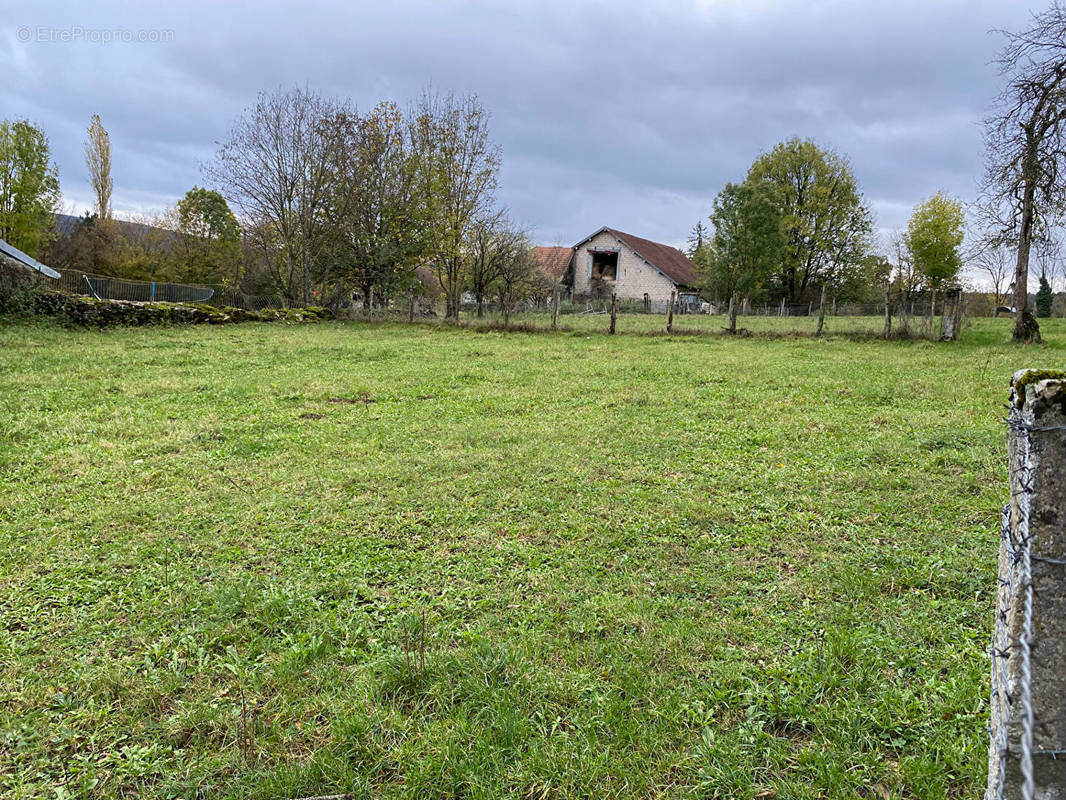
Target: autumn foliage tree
379,216
458,169
98,161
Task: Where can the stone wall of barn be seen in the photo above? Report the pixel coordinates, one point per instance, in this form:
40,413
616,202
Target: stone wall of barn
636,277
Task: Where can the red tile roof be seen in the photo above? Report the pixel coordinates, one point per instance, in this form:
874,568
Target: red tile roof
668,260
553,260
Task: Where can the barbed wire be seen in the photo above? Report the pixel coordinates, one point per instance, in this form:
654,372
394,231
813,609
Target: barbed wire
1016,540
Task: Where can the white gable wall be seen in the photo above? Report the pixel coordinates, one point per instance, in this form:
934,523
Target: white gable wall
636,277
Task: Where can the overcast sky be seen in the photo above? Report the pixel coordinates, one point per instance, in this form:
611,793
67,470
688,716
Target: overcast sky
631,115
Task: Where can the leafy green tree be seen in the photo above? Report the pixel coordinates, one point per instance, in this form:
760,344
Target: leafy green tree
825,222
748,241
210,238
29,187
1044,298
458,168
934,236
373,203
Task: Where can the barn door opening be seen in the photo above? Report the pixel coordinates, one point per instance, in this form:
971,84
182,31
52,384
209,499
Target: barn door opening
604,264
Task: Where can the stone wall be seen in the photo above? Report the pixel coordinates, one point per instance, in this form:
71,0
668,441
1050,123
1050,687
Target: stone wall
635,276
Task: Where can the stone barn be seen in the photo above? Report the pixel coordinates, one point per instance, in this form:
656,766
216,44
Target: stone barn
629,266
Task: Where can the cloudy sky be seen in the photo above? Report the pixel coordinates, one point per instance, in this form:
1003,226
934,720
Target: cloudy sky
631,115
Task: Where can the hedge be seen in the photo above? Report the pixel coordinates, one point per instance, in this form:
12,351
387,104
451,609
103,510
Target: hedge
89,311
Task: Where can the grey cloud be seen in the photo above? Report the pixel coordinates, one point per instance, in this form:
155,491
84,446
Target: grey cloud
628,114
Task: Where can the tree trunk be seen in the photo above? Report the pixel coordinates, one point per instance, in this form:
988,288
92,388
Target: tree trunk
480,305
781,313
307,281
555,308
670,313
947,320
453,296
821,312
734,301
888,314
411,306
1025,330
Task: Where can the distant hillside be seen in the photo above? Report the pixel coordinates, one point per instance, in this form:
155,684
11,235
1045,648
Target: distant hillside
66,223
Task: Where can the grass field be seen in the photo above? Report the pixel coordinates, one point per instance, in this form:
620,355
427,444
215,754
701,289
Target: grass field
278,561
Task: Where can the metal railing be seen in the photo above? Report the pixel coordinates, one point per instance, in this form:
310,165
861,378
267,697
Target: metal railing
104,287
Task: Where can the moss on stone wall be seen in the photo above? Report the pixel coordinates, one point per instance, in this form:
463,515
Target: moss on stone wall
91,312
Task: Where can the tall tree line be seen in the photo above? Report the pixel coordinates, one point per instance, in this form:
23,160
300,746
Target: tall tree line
337,200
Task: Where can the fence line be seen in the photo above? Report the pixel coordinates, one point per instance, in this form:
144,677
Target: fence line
104,287
1027,718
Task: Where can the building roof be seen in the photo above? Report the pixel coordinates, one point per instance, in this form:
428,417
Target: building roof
670,261
12,255
553,260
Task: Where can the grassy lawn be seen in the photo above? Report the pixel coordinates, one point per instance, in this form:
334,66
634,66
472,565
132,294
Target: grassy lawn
277,561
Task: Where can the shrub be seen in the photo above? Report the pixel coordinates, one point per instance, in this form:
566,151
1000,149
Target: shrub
91,312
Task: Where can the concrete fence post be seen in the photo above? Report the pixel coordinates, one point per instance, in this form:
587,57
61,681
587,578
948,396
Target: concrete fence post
1027,725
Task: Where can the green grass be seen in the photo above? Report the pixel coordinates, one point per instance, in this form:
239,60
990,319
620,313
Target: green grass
277,561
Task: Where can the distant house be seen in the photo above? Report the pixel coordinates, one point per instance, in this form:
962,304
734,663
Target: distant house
610,261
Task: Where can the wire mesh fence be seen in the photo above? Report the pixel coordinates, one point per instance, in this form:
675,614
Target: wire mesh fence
1027,719
1015,589
103,287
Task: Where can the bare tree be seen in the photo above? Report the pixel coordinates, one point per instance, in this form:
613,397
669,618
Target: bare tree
994,260
494,247
458,165
1026,139
519,277
98,160
274,166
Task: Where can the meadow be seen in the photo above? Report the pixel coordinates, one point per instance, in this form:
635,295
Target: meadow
279,561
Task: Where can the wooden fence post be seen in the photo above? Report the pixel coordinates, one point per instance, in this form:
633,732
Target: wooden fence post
555,307
614,311
1027,752
670,313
